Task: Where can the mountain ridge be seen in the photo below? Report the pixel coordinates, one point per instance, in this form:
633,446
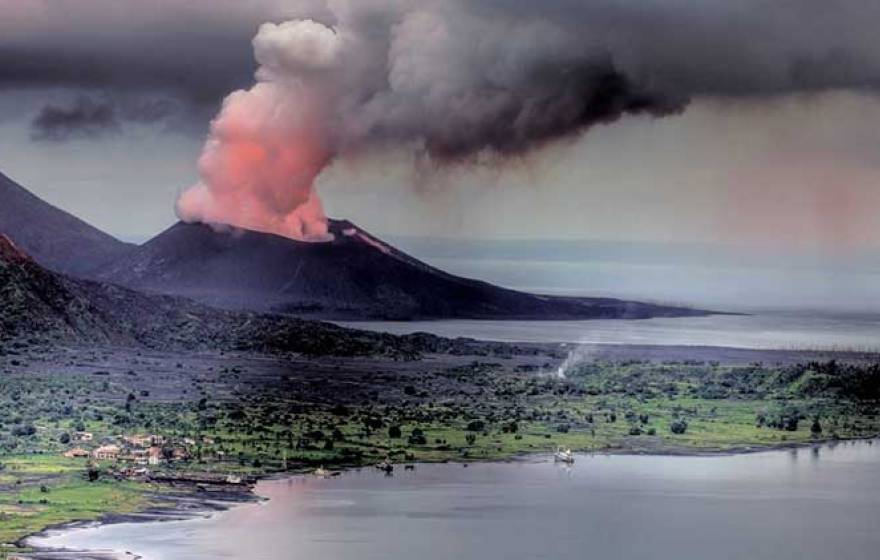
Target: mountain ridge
39,307
54,238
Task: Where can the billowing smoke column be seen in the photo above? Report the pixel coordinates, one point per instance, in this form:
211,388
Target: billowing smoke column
451,89
269,143
462,81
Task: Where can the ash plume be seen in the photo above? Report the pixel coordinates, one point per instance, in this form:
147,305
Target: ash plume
461,82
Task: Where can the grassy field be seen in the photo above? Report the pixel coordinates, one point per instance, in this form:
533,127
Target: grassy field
40,491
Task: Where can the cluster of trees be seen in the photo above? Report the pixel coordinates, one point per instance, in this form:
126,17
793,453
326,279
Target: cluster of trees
854,381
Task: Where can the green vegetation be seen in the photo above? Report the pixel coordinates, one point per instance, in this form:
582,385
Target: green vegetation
236,421
38,491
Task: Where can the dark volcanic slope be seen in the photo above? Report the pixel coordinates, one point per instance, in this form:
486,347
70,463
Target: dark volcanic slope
355,276
34,301
41,307
53,237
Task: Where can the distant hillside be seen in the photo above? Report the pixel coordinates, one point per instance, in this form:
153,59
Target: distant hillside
356,276
53,237
40,307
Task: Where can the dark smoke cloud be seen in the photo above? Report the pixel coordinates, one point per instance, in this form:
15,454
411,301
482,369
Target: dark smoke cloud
462,77
90,117
461,81
84,118
538,70
189,52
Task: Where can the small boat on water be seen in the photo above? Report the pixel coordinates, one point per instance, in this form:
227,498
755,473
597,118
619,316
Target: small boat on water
563,456
321,472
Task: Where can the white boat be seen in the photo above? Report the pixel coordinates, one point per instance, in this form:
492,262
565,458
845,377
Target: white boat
563,456
321,472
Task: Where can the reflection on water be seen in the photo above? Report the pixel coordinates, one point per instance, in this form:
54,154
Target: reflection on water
810,503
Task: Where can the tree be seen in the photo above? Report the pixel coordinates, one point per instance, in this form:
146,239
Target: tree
64,438
678,426
394,432
24,430
130,398
816,427
476,426
418,437
92,472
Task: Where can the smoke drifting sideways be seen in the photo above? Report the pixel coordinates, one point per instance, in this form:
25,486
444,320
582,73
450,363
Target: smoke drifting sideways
323,92
462,82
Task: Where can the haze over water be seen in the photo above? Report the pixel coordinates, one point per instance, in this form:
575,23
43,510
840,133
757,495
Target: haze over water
772,330
799,504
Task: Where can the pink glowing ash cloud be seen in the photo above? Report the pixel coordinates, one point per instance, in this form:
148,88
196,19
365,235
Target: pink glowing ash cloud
268,144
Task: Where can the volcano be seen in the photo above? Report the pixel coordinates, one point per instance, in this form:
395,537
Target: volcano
54,238
355,276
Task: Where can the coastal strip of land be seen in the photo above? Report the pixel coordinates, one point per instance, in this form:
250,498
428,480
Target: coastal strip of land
119,434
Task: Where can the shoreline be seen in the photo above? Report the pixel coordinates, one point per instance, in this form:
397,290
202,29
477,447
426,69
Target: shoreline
189,505
199,506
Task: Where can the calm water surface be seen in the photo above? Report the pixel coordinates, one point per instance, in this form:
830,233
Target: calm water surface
801,504
761,331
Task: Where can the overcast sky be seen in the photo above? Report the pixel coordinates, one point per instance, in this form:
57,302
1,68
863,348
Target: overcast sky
105,104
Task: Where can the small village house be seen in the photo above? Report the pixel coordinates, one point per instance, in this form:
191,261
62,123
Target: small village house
180,454
154,455
106,453
76,452
137,440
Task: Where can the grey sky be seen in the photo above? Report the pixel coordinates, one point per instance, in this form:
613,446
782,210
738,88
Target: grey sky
777,146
